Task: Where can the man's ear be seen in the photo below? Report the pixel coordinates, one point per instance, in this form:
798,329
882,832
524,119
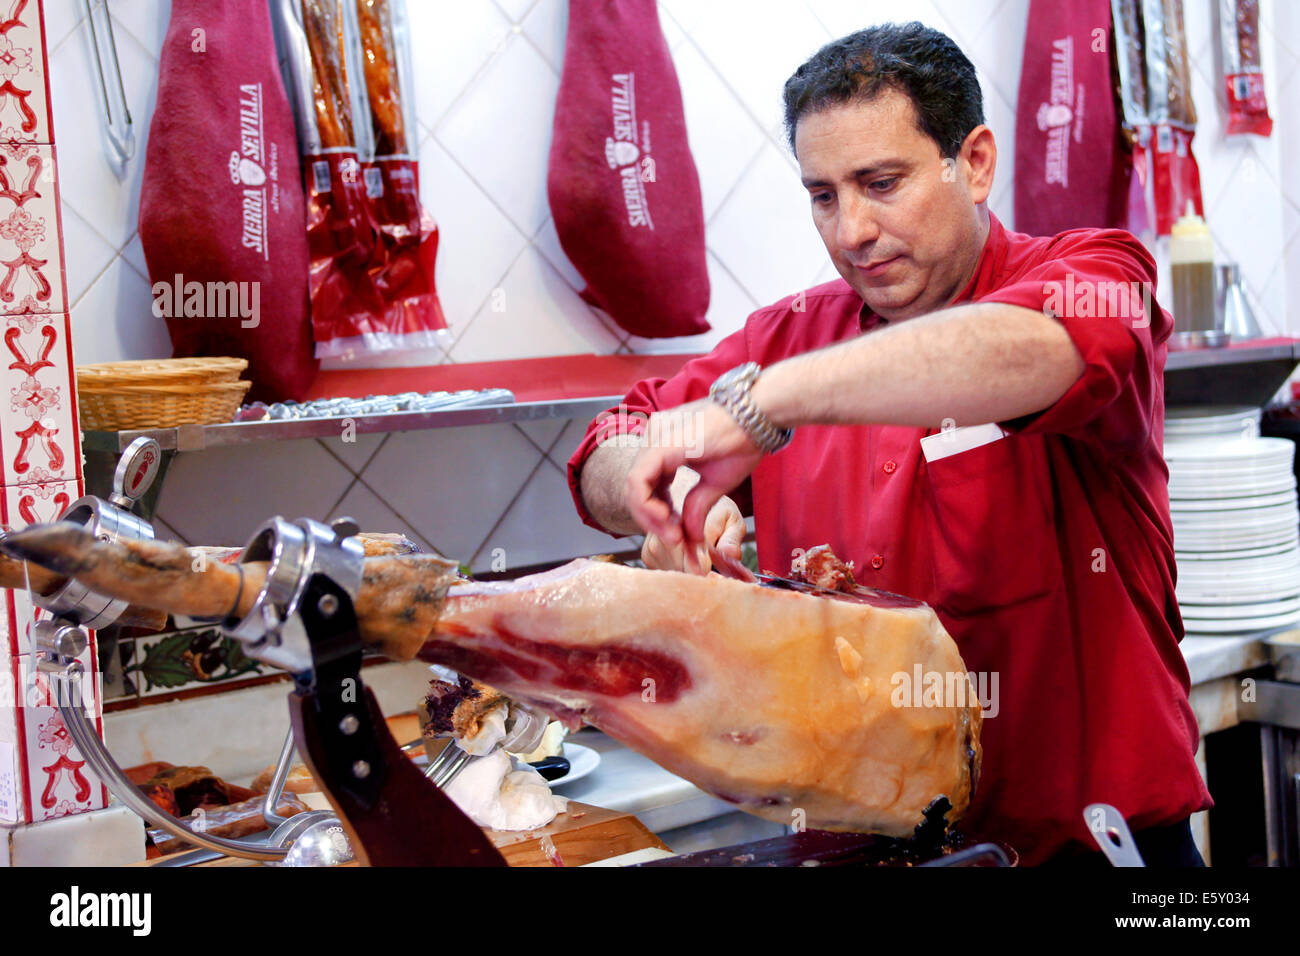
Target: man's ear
979,156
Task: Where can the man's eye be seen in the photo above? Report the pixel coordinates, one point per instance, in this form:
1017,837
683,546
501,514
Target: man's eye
822,198
884,185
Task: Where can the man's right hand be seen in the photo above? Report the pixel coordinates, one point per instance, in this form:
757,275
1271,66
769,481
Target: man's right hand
724,529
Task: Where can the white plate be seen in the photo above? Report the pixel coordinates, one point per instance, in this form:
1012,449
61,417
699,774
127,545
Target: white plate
1201,612
1198,414
1211,451
1238,625
1253,518
1215,554
1204,597
1283,499
582,761
1225,541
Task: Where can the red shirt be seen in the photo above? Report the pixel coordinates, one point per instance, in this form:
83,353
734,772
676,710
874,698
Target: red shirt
1048,554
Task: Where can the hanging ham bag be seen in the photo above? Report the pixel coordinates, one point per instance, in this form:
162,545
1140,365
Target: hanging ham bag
622,184
1071,167
221,206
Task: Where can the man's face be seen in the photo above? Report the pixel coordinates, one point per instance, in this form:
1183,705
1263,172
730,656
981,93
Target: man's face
900,222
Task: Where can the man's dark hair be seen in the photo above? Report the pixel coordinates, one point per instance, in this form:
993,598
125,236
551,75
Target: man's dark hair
911,58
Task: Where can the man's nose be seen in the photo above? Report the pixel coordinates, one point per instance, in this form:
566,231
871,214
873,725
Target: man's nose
857,226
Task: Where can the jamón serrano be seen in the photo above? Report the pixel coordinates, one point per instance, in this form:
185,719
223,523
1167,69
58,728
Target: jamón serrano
781,701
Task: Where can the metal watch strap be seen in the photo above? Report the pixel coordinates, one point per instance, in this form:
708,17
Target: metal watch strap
731,391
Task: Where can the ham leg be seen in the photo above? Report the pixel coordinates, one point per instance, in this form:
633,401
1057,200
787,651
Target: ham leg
780,701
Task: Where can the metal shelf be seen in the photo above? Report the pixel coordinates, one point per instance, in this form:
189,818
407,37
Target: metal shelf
199,437
1239,355
1237,375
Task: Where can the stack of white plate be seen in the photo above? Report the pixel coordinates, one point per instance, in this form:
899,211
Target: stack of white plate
1236,523
1201,422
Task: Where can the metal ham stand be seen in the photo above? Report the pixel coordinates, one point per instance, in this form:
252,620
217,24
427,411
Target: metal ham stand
303,622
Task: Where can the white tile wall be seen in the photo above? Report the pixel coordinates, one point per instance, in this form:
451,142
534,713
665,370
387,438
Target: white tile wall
487,72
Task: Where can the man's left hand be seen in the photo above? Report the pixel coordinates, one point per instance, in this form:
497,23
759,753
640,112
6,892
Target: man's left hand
703,437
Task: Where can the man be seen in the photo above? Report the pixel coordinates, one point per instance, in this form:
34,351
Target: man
1044,542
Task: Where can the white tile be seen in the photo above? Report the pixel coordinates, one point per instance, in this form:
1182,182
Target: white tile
354,454
828,273
221,495
133,252
1002,200
545,25
543,432
501,131
547,242
842,17
516,10
567,443
786,253
106,196
537,313
37,435
181,731
729,307
372,515
1200,26
999,52
30,217
145,20
113,836
476,242
86,254
1210,125
723,137
454,483
114,319
964,22
61,18
25,115
450,43
1271,303
1292,288
541,526
674,36
1001,119
755,46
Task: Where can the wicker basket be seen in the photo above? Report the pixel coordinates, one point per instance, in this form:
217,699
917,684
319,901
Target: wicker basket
183,371
158,406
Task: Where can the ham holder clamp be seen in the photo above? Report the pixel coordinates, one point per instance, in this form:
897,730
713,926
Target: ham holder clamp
303,622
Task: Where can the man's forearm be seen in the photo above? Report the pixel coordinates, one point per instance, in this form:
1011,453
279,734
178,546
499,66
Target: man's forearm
603,484
970,364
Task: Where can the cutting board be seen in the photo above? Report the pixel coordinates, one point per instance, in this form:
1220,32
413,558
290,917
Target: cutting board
583,834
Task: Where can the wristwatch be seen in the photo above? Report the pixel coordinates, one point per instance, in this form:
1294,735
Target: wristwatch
731,391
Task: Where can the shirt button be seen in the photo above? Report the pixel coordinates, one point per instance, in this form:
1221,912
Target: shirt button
890,466
877,562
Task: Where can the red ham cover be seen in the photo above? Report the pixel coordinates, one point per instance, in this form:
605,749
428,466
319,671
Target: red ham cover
622,184
1071,170
221,207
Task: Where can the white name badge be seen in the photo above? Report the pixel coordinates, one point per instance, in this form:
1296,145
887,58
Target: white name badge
954,441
